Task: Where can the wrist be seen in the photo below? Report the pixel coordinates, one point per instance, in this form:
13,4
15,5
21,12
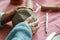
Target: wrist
8,16
12,11
1,15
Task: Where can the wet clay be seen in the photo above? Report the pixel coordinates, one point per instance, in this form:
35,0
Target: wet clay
21,15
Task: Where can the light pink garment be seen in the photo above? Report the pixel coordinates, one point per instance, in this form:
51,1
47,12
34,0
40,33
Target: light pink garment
54,19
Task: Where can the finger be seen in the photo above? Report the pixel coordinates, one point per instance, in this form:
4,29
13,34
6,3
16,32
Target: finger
28,19
35,29
34,24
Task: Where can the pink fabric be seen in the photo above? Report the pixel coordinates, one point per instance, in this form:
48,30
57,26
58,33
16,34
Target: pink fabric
54,19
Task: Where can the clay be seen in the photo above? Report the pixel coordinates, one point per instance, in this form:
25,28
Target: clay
22,14
16,2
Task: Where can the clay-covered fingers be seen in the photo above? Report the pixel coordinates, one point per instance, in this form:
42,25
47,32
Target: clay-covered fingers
28,20
35,29
34,24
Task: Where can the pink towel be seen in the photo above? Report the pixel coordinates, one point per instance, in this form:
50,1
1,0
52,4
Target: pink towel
54,19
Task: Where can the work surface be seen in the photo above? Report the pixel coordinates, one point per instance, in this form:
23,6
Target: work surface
54,19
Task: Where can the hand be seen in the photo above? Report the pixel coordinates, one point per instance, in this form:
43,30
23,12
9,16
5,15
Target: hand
7,16
34,25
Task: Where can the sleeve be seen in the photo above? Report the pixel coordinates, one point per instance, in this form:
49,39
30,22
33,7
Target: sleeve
1,14
20,32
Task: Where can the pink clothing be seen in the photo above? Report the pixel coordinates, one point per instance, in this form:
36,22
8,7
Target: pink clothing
54,19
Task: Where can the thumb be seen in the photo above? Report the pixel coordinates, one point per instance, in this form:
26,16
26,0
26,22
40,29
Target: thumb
28,19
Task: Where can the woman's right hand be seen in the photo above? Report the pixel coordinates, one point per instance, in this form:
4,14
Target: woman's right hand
33,25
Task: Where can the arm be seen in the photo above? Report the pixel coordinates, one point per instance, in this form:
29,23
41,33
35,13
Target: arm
20,32
23,30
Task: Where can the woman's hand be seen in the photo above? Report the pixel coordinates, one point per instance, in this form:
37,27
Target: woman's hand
7,16
33,25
